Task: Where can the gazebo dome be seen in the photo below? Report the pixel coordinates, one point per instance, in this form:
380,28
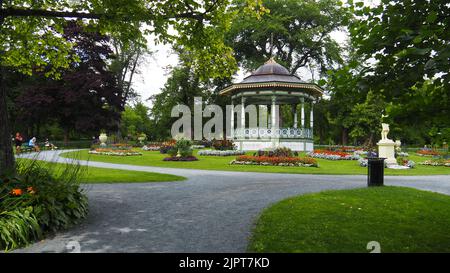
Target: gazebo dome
271,67
271,71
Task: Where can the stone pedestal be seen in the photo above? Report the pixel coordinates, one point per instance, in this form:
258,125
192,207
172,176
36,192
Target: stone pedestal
386,149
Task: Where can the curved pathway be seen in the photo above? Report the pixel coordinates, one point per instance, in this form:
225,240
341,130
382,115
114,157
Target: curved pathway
212,211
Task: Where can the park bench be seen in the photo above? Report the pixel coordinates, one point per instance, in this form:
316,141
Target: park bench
25,148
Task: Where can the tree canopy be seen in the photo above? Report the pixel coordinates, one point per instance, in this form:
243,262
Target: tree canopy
31,36
298,33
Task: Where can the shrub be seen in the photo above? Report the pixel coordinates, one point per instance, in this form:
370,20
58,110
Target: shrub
183,147
223,145
181,150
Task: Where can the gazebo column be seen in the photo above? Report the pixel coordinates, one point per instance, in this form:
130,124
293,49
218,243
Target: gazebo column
273,113
232,120
243,116
311,119
294,110
302,100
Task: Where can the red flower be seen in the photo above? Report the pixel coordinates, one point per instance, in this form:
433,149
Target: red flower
16,192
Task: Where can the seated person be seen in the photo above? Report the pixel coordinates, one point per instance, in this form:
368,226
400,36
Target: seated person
32,144
49,145
18,140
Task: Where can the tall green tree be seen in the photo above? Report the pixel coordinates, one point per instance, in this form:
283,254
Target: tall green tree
182,86
136,120
406,45
296,32
30,36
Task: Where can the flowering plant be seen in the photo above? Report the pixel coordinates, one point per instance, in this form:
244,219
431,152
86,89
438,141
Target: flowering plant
275,161
424,152
333,155
224,144
113,152
220,153
436,162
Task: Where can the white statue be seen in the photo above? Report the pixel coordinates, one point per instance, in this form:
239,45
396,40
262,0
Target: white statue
386,147
384,131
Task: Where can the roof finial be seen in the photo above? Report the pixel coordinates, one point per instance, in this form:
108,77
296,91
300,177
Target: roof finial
271,45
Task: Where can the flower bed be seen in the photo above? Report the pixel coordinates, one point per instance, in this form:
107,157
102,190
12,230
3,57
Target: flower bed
333,155
220,153
436,162
167,146
428,153
275,161
114,152
186,158
277,152
363,162
197,147
223,145
151,148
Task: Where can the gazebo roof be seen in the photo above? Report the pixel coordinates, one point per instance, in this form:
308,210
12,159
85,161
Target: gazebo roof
272,75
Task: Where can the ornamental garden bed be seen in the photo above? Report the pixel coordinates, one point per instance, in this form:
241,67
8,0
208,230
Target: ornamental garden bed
333,155
436,162
185,158
275,161
220,153
151,147
428,153
114,152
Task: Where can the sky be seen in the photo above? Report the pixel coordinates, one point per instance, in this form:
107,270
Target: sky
154,70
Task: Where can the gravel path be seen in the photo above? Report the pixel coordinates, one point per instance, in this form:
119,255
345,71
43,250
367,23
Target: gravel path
212,211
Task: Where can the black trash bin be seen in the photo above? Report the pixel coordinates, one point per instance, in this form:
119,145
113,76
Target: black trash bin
375,171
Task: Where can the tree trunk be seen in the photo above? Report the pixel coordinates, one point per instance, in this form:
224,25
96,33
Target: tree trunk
344,136
66,137
7,162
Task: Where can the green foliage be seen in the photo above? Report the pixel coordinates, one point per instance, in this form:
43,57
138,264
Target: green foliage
301,34
181,147
408,40
409,45
182,86
39,199
18,227
365,118
136,121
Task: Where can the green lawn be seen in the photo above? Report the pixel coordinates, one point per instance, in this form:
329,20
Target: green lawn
400,219
222,163
93,175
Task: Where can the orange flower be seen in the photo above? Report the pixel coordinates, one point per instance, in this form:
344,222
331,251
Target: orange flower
31,190
16,192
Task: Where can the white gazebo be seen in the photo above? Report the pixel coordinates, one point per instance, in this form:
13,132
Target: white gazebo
268,87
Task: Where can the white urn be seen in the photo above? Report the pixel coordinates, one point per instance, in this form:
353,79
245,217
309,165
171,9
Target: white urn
103,138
